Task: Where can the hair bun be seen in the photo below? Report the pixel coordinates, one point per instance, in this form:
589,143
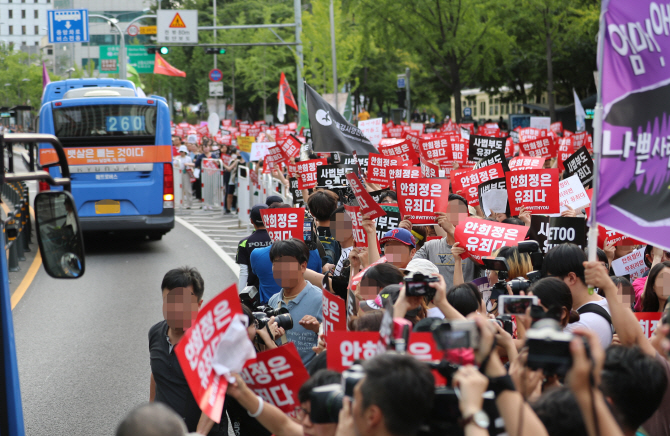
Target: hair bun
574,316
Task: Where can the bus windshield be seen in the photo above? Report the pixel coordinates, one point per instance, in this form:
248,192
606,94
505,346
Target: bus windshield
105,121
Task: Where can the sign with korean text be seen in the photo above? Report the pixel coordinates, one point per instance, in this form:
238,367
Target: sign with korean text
632,263
179,26
539,231
436,148
571,193
67,25
419,199
401,148
612,236
389,221
469,181
137,57
429,170
296,193
372,129
344,348
307,171
540,147
334,313
581,164
497,157
367,204
399,172
648,322
536,190
197,348
244,143
259,150
481,238
109,155
565,150
284,223
330,176
493,196
276,376
566,230
360,237
290,146
482,146
526,163
378,168
275,155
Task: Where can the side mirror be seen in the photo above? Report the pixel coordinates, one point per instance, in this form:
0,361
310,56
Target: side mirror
59,235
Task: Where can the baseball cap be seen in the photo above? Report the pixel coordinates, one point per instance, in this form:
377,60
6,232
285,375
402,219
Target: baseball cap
401,235
423,266
255,214
183,148
273,199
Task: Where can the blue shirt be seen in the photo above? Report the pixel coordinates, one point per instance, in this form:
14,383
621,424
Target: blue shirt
262,267
307,302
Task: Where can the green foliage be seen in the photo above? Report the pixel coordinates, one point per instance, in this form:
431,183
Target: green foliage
21,78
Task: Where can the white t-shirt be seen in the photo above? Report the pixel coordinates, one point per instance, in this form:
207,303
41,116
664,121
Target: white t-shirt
343,257
183,160
594,322
434,312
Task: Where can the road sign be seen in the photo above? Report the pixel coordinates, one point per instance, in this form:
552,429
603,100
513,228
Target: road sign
148,30
216,89
133,30
401,80
137,55
467,112
180,26
67,25
215,75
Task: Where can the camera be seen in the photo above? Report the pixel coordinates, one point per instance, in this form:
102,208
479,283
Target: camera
350,378
326,401
549,347
455,334
515,304
416,285
505,321
282,317
497,264
533,249
250,297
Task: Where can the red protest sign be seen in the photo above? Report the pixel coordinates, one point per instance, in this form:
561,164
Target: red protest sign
360,237
422,346
197,348
290,146
529,133
459,149
365,201
565,150
540,147
276,376
419,199
401,148
395,132
648,322
334,313
403,172
275,155
284,223
469,180
481,238
429,170
614,236
536,190
378,168
579,140
557,127
307,172
526,163
435,148
344,348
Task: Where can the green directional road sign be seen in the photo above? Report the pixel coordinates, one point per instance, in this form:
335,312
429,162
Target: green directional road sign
137,55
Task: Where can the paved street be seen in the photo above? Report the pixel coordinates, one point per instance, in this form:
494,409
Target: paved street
82,344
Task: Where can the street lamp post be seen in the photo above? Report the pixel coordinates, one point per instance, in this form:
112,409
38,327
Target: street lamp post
69,72
122,43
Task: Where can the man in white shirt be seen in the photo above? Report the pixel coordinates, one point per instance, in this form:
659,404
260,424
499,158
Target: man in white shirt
185,163
566,262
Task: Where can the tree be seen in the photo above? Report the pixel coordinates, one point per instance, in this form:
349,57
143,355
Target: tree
21,82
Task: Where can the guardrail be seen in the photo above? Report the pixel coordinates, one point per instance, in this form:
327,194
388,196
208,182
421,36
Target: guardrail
253,190
17,226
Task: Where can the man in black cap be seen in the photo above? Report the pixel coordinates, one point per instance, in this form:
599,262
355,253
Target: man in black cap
258,239
273,199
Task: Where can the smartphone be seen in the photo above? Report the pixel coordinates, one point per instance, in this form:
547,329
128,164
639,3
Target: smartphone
515,304
456,334
307,230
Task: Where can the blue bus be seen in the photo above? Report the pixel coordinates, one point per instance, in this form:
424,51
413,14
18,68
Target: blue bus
119,150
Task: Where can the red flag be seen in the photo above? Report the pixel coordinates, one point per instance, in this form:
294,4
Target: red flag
162,67
286,89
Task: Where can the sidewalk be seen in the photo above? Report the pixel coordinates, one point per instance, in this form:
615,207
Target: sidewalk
223,229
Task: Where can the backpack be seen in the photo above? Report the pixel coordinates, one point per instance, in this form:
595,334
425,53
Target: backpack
598,310
332,249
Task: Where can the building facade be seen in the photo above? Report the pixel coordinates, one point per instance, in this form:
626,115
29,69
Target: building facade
485,106
23,23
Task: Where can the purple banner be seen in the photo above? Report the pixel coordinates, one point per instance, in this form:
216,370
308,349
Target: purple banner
634,191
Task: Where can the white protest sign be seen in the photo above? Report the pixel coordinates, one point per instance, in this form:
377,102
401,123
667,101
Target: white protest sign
193,139
417,126
465,133
494,200
571,192
632,264
213,123
540,122
372,129
259,150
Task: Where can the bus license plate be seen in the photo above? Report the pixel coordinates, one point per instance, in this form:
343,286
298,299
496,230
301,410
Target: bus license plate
107,206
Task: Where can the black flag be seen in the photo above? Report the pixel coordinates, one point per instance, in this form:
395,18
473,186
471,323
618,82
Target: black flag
330,131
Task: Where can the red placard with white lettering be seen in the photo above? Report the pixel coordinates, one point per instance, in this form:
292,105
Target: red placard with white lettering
276,376
275,155
360,237
429,170
481,238
437,147
529,133
648,322
565,150
307,172
469,180
526,163
365,201
378,168
419,199
344,348
540,147
197,347
403,172
459,149
614,236
536,190
401,148
290,146
579,140
422,346
334,313
284,223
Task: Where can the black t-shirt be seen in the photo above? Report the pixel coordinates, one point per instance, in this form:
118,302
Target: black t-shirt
258,239
171,386
323,231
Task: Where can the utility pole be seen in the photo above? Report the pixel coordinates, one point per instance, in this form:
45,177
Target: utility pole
297,11
216,98
333,51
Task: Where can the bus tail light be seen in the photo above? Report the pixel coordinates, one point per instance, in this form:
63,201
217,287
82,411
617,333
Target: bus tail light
43,186
168,186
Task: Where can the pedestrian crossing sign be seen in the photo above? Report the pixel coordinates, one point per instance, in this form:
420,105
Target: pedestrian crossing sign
177,21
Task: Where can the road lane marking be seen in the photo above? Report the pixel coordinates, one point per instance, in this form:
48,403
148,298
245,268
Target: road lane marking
27,280
213,245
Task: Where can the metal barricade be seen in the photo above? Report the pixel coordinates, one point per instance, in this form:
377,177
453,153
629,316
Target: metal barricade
177,184
211,179
243,196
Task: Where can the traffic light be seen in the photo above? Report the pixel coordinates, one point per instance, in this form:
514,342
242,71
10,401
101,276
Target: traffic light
161,50
215,50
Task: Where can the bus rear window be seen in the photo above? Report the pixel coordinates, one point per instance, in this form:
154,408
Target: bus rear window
104,121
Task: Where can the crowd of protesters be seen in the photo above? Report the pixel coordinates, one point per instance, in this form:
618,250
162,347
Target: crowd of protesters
615,380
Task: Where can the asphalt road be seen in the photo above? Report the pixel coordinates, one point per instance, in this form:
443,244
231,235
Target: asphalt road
82,344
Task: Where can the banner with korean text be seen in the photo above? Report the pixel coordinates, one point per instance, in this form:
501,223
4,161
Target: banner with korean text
284,223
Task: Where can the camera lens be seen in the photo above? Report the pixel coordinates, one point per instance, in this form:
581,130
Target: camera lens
261,319
326,402
284,321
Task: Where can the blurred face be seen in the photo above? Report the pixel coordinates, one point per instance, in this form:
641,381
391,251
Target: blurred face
457,212
341,228
500,217
398,253
251,330
180,307
360,425
288,272
191,146
368,288
622,250
625,293
662,285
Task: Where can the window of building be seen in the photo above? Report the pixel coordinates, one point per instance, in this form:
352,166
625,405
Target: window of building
11,30
50,51
544,99
482,108
37,30
11,13
23,30
36,13
474,110
23,1
23,43
36,1
37,43
23,13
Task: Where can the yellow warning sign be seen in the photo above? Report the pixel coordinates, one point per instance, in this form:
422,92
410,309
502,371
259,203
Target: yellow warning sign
177,21
148,30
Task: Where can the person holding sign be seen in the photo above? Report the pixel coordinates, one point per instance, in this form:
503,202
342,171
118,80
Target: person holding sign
302,299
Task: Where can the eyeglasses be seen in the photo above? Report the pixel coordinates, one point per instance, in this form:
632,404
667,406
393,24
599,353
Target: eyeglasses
301,413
